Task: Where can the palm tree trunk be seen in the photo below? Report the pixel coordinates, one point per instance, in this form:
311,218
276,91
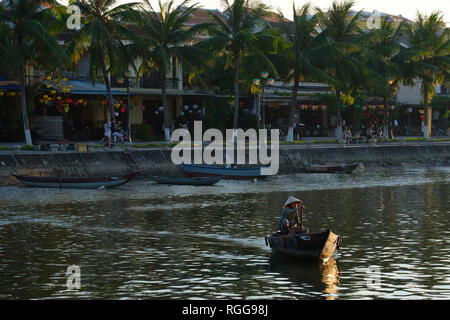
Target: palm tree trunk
385,120
108,86
26,125
427,113
236,90
166,108
290,135
338,130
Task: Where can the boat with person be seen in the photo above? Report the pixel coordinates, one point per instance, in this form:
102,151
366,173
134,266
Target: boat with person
73,182
193,181
335,168
197,170
320,245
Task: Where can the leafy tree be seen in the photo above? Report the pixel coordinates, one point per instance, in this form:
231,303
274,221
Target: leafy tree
27,41
103,36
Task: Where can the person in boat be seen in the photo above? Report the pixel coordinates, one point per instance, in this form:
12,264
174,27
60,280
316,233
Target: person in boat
290,222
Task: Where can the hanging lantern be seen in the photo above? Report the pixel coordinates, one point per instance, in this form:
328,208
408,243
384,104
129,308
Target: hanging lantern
64,79
49,78
117,105
186,107
195,107
85,102
80,100
45,96
190,111
310,107
105,101
123,109
182,113
324,108
66,109
161,108
156,112
48,86
41,100
2,93
364,108
392,107
53,91
58,98
410,110
70,86
68,100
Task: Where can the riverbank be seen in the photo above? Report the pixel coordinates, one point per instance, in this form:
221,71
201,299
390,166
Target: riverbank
157,161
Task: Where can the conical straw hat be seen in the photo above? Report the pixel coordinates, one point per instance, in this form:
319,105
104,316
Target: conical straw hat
290,200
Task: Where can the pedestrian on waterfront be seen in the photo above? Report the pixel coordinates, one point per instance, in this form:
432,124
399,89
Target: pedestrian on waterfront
117,130
107,133
290,222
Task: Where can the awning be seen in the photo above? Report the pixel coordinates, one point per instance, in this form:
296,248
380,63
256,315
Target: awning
6,84
86,88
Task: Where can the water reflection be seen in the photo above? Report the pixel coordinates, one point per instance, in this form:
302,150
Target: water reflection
317,276
148,242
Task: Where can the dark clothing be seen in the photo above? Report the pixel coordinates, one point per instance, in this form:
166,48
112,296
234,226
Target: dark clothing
289,219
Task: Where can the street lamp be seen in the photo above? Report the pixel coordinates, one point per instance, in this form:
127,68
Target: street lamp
265,81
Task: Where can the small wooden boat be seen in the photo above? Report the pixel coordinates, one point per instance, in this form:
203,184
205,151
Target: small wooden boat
195,170
66,182
305,246
194,181
335,168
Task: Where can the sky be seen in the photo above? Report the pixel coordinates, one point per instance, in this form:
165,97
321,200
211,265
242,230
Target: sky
407,8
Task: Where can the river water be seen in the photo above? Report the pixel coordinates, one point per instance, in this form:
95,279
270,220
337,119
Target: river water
147,241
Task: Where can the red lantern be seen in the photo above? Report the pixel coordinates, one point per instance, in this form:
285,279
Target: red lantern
422,117
123,109
68,100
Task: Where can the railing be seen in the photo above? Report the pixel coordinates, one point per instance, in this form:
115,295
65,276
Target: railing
49,127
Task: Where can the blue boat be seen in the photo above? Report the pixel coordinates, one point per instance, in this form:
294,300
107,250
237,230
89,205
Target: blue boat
198,170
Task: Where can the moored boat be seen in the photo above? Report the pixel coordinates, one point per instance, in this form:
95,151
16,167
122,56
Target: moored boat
194,181
195,170
319,245
75,182
335,168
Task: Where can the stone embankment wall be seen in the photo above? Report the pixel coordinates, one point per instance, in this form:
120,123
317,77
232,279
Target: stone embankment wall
158,161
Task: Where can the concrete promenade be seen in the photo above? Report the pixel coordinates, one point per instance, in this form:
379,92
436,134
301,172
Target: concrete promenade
154,158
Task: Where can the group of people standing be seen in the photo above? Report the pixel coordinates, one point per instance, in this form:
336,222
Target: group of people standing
113,128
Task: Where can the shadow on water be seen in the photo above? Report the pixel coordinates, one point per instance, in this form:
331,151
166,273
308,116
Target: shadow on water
320,276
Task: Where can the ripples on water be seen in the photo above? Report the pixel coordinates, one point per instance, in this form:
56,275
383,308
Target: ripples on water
150,241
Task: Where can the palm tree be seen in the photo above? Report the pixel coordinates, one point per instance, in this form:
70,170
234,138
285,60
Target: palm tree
236,32
103,36
303,54
428,57
341,31
384,57
26,31
165,34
